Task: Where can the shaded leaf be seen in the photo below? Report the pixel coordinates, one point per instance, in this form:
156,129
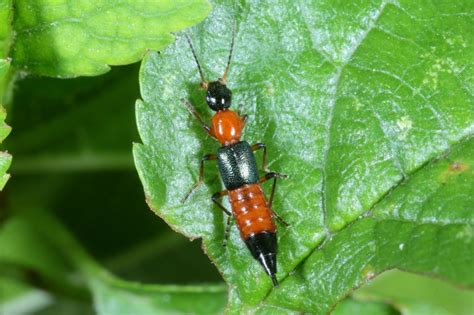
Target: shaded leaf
353,101
91,113
111,295
350,307
414,294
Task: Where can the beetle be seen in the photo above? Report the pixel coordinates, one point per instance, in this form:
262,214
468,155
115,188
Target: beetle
238,170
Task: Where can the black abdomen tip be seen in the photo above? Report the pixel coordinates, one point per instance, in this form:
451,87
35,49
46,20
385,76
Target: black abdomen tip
263,247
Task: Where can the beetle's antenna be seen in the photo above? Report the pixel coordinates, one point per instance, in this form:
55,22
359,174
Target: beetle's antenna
224,77
203,80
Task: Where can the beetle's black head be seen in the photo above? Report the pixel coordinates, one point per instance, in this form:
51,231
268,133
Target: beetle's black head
218,96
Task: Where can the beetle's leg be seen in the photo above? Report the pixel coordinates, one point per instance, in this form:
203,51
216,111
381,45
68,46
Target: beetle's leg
227,231
217,195
206,157
244,118
263,179
193,111
229,214
258,146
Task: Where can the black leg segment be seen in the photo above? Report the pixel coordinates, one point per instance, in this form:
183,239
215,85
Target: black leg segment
227,231
217,195
207,157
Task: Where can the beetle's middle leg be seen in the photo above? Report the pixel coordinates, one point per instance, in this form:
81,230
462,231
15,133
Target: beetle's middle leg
207,157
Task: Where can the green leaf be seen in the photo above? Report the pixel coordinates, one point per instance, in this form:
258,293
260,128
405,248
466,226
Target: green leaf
5,158
72,38
21,245
6,16
416,228
414,294
111,295
5,36
356,102
349,307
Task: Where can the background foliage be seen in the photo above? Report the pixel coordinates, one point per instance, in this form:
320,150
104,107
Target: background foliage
368,106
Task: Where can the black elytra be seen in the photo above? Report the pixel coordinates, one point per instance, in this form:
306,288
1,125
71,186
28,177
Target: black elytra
237,165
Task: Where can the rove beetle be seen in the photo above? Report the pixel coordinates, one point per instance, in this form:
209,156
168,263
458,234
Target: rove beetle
238,170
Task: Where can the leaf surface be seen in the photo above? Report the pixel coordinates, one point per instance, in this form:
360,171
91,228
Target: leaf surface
360,103
73,38
5,38
414,294
438,244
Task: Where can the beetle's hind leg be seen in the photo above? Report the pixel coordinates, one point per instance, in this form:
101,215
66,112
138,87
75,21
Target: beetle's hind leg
217,195
227,231
272,194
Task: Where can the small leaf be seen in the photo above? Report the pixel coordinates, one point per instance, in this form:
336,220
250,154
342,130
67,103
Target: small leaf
355,101
73,38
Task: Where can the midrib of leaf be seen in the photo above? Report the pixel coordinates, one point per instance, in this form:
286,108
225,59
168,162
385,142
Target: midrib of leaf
327,141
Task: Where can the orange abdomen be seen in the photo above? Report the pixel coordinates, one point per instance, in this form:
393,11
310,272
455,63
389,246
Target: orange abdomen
251,210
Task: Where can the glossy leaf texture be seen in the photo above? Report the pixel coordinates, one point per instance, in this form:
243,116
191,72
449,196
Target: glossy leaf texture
73,38
5,39
366,105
